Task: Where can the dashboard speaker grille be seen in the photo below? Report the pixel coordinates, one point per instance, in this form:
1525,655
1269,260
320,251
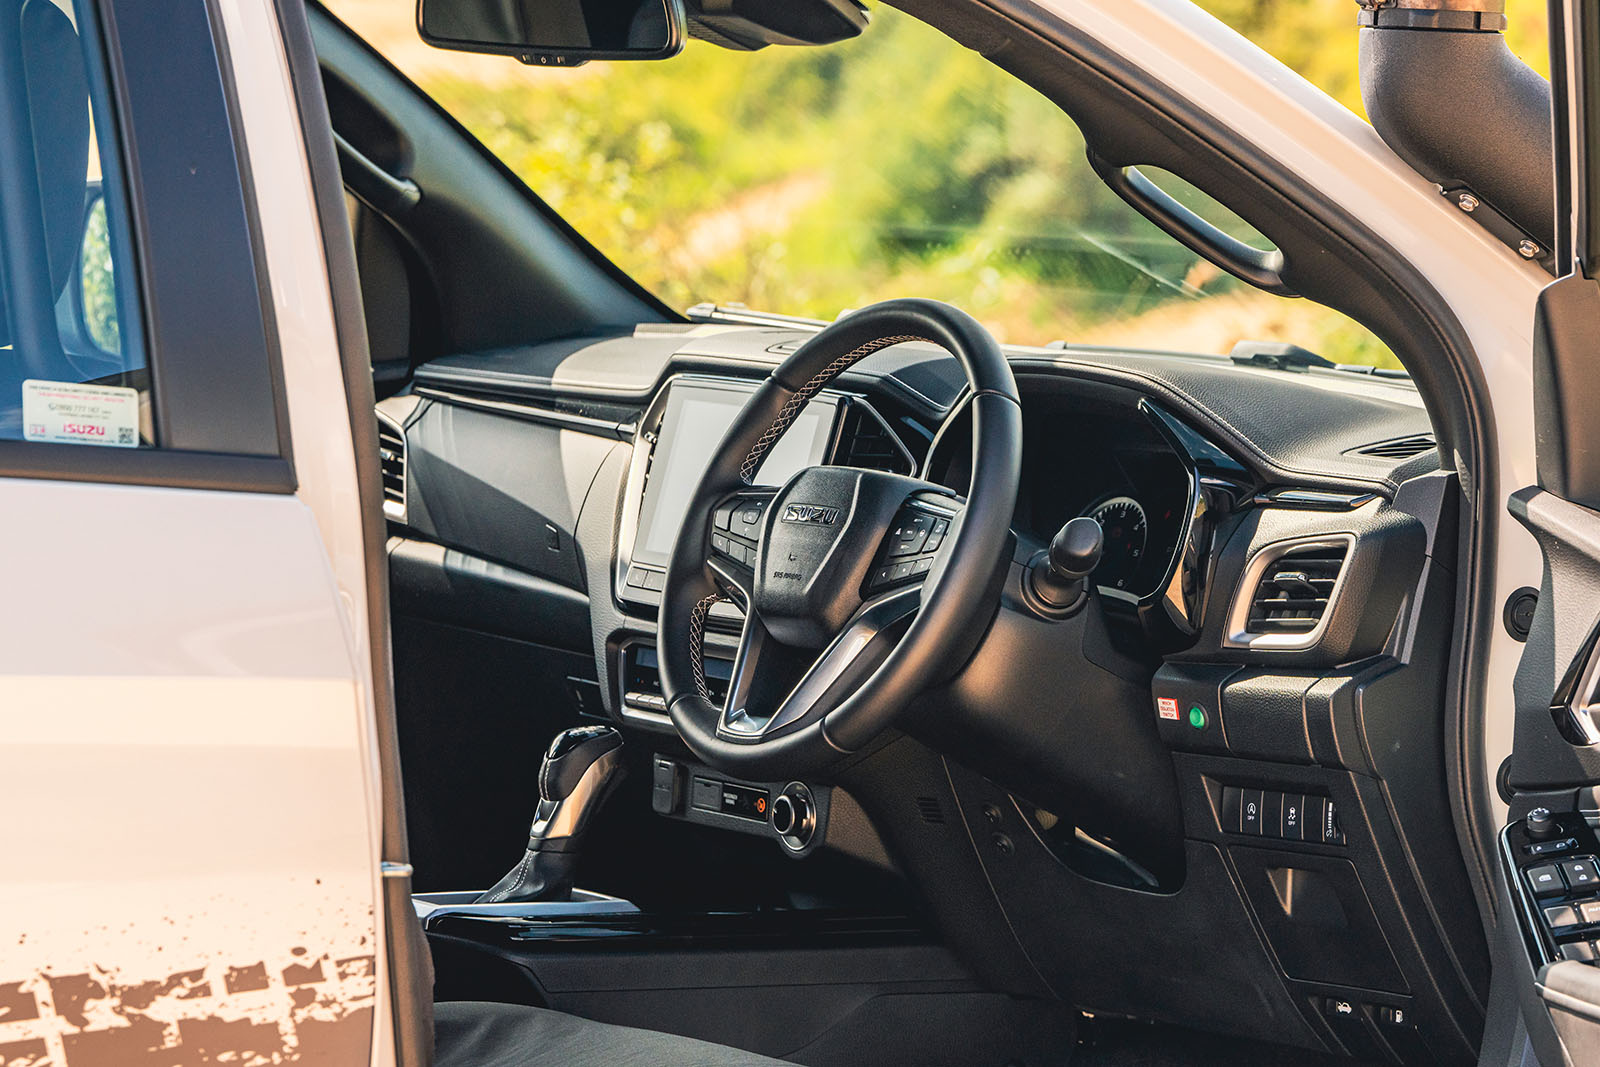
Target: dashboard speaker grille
1293,593
392,457
1401,447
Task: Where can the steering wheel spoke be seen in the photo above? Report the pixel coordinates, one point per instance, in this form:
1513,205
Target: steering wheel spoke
842,666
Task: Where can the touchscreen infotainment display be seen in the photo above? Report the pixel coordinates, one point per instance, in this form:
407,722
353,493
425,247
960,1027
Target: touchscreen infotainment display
698,414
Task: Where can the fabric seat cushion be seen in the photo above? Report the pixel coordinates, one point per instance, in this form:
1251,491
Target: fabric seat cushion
473,1034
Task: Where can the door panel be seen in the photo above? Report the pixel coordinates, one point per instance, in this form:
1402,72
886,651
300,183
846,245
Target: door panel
187,695
187,851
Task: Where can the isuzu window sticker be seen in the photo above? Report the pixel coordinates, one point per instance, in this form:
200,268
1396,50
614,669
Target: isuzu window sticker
79,414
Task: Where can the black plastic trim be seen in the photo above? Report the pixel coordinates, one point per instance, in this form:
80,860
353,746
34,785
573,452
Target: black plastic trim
217,386
144,466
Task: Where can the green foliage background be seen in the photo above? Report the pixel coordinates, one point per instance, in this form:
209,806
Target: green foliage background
808,180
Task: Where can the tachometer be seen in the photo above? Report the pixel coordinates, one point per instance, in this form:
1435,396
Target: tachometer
1122,520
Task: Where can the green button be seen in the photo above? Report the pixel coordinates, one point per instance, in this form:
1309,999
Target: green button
1197,717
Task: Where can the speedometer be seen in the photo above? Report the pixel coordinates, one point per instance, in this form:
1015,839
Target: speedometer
1122,520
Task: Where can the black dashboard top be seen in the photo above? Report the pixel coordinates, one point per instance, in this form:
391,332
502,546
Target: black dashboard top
1304,427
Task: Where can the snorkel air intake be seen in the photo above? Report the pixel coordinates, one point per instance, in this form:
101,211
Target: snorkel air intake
1445,92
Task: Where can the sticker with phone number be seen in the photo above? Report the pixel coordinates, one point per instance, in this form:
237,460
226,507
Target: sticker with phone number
74,413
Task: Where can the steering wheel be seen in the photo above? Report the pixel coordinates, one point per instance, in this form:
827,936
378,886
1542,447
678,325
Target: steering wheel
860,588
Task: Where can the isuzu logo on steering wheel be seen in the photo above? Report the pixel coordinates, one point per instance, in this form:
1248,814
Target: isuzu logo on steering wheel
812,513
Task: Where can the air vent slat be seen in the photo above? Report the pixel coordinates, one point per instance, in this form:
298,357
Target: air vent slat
1400,447
866,442
1292,594
392,460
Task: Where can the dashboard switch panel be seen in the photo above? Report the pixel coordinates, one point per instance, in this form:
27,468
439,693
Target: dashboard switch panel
794,814
1281,816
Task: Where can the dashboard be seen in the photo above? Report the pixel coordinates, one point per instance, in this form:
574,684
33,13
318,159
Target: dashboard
1109,464
1276,589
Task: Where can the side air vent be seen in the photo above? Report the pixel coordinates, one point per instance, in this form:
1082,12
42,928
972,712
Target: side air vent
392,456
1401,447
1287,594
930,810
865,440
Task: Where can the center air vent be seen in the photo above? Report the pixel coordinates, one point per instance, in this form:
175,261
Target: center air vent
1401,447
392,457
1287,593
866,441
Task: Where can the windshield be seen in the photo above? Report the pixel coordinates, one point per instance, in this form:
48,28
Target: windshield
809,181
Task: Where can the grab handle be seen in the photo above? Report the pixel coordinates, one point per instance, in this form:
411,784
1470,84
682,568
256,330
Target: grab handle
1260,267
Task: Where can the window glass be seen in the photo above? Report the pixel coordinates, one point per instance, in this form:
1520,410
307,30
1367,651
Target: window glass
813,180
72,365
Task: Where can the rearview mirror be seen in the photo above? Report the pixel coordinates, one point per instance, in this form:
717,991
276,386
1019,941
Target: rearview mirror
557,33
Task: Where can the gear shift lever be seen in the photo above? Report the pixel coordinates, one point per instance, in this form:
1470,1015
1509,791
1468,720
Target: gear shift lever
580,769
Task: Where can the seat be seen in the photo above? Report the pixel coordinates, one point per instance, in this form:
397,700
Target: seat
473,1034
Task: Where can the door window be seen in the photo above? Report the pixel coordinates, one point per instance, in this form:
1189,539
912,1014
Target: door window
72,361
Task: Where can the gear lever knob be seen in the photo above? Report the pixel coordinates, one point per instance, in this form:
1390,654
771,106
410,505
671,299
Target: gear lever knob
579,771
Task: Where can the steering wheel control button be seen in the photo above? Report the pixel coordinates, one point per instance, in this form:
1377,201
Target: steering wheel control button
1546,881
1581,873
936,534
909,533
747,520
1250,813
